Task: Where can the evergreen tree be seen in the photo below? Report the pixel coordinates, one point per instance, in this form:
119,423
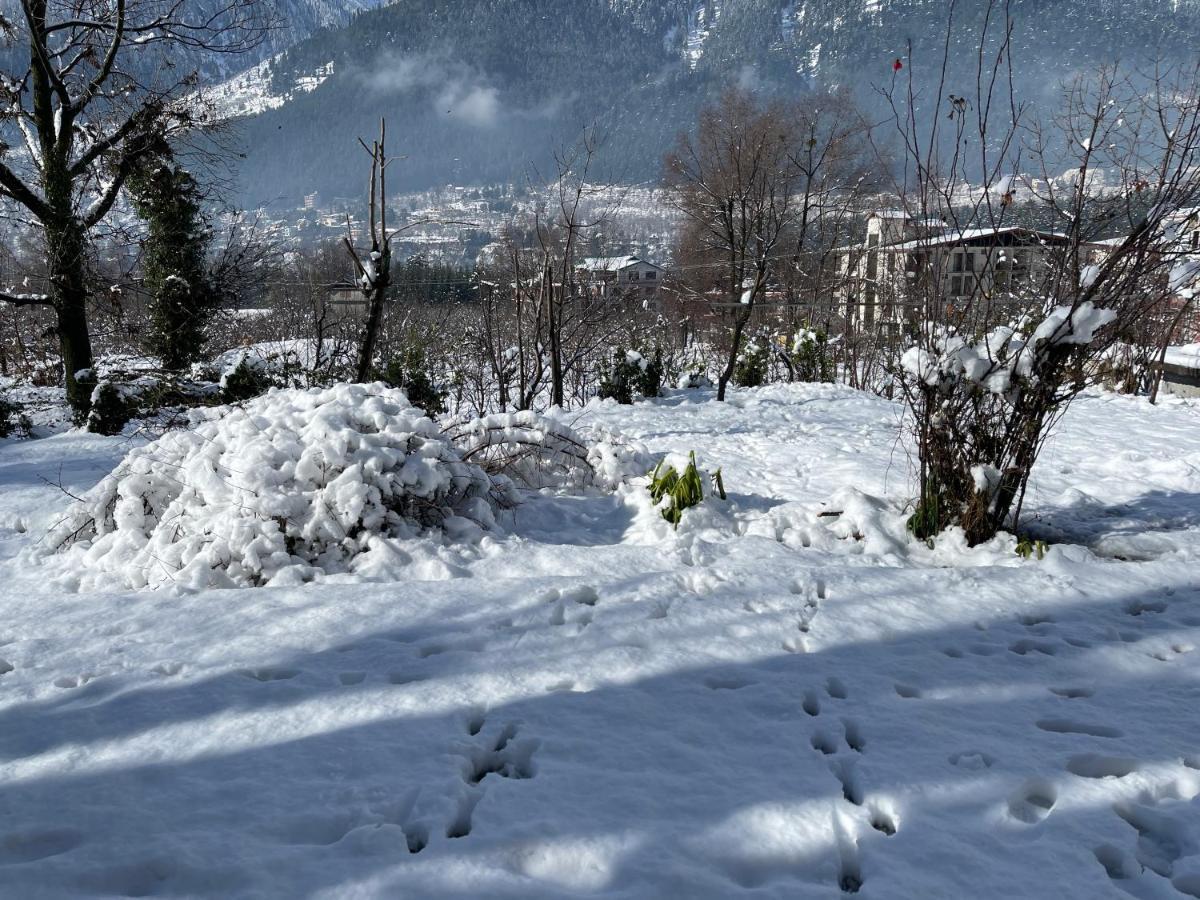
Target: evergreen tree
183,297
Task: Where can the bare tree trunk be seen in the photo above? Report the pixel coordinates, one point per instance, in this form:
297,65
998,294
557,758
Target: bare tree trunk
66,248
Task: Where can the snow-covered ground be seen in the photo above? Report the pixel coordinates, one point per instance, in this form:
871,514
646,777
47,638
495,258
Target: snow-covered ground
769,702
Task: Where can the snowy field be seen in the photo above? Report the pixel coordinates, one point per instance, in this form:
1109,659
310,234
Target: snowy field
770,702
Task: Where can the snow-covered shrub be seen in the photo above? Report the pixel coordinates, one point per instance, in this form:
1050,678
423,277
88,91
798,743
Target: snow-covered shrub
629,376
246,379
753,363
13,419
410,370
111,409
289,487
537,451
809,358
982,409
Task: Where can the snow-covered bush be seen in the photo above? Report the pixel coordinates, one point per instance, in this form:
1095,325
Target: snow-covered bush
410,370
809,358
289,487
537,451
12,419
753,363
982,409
629,376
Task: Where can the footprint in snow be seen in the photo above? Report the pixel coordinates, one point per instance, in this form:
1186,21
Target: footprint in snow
972,759
1033,801
1093,765
1142,607
1072,692
1068,726
836,689
266,674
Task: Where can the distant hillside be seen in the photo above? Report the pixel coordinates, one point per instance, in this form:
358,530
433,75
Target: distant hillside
479,91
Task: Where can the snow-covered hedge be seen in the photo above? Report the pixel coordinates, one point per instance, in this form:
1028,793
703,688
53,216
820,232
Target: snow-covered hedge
291,486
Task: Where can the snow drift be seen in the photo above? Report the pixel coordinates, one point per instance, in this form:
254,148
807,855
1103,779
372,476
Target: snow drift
291,486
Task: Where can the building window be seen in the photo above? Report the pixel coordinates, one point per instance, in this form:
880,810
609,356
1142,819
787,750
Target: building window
633,276
651,275
956,285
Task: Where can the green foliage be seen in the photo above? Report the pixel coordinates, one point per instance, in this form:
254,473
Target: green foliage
683,490
810,357
927,519
246,382
111,409
1027,548
13,419
752,364
410,371
629,376
183,297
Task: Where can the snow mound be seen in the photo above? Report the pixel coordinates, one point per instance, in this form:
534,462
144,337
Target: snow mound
290,487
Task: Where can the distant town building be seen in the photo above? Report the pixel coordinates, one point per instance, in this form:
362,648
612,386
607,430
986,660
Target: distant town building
622,276
310,200
883,280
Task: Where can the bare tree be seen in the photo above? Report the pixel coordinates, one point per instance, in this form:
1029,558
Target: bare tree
86,111
1008,333
373,269
735,183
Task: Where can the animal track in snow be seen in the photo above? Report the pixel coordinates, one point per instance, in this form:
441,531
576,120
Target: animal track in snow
908,692
811,703
470,645
1159,841
972,759
846,772
1072,693
1118,864
168,669
351,678
460,825
1141,607
854,736
5,667
1032,620
67,682
1033,801
884,820
836,689
727,682
1093,765
823,741
399,678
583,594
1025,646
504,756
1169,653
270,674
1069,726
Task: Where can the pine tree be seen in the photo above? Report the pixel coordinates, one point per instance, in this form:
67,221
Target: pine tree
183,297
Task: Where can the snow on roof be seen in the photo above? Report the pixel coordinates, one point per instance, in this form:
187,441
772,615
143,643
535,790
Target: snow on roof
951,238
613,263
